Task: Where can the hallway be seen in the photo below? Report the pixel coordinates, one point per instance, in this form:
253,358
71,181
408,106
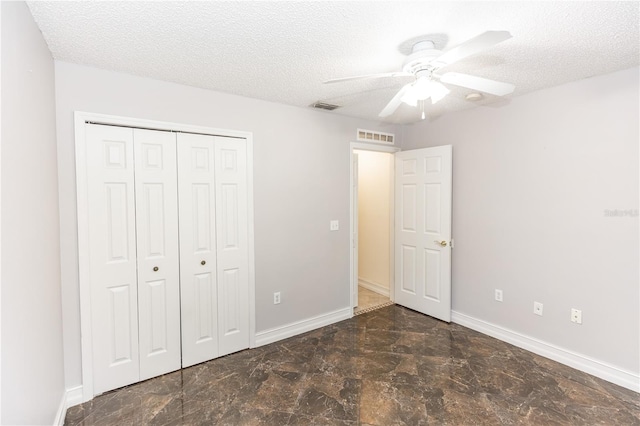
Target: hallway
369,300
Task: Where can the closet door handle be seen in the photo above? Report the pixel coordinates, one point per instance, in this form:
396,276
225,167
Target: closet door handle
203,263
155,269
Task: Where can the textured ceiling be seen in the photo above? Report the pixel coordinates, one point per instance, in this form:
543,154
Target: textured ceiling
283,51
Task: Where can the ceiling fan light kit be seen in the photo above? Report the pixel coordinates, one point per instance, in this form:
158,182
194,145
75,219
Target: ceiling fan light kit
424,88
424,62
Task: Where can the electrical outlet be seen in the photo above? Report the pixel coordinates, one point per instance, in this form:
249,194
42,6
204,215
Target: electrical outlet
498,295
537,308
576,316
334,225
276,298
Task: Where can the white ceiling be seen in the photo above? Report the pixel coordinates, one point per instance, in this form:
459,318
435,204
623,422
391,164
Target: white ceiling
283,51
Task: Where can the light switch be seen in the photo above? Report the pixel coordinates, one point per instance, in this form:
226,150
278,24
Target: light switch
334,225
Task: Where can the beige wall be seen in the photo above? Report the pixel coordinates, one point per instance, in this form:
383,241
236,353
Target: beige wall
532,182
32,364
374,189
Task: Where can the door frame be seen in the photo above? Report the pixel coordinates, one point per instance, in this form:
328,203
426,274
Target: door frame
80,119
353,255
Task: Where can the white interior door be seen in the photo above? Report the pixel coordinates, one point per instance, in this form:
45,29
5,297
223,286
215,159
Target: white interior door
199,291
157,251
232,244
356,234
112,256
423,230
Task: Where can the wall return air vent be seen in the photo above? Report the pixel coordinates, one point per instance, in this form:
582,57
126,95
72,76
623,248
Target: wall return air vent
364,135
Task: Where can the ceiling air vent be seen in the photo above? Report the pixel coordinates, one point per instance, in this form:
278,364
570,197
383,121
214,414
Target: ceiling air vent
323,105
364,135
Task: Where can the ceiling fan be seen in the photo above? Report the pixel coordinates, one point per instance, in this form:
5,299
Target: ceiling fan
424,62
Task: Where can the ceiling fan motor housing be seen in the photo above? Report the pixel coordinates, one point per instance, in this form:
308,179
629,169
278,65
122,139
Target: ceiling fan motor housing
420,59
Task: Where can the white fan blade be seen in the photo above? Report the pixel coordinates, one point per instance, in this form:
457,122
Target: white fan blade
359,77
485,85
395,102
471,47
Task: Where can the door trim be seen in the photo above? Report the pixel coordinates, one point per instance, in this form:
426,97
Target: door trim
80,119
352,253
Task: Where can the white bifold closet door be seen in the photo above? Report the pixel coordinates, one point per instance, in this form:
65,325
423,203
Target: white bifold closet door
199,290
133,239
112,253
212,176
168,248
232,244
157,251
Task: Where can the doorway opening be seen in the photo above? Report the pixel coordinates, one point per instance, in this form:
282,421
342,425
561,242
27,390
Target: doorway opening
372,225
421,240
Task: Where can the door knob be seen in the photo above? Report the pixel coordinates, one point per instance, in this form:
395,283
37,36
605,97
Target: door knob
442,243
155,269
203,263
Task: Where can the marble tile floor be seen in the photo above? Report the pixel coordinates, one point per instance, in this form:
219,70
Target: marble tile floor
390,366
368,299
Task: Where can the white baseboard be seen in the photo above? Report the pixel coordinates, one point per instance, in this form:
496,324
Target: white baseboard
578,361
293,329
74,396
373,286
70,398
62,410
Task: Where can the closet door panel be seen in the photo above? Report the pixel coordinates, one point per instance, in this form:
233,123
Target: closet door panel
157,252
197,248
112,253
232,242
